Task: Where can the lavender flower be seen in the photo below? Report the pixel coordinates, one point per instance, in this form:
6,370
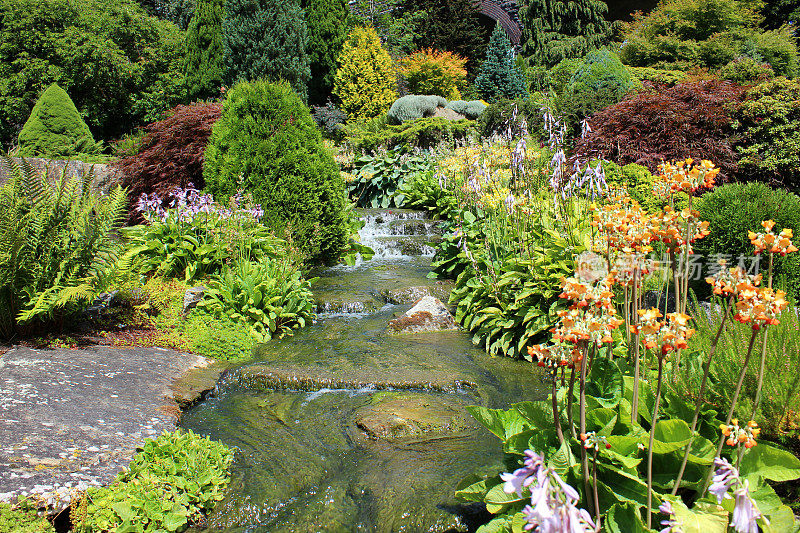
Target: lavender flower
553,502
724,476
671,523
745,513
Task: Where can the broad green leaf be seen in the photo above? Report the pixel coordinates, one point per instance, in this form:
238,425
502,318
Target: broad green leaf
670,435
768,462
624,518
605,384
477,490
601,420
704,517
500,422
497,500
501,524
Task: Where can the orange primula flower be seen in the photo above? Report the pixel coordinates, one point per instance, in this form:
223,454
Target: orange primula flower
736,434
759,306
687,177
776,244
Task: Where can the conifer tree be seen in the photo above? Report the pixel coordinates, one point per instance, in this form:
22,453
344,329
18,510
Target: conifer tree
266,39
499,76
559,29
365,81
451,25
204,51
328,23
55,128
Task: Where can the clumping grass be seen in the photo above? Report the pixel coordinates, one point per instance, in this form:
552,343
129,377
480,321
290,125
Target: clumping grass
779,413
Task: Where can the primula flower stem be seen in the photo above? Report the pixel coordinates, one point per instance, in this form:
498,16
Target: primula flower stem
699,404
596,496
570,394
652,438
732,408
582,422
636,361
556,414
760,384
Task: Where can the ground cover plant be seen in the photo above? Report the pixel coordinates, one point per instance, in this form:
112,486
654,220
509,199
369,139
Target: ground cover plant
377,180
23,517
170,484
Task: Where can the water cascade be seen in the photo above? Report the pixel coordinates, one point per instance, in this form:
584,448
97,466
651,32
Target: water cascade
344,427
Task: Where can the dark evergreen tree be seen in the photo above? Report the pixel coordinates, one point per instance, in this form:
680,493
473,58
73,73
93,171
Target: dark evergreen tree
779,12
499,75
328,24
204,51
453,26
266,39
559,29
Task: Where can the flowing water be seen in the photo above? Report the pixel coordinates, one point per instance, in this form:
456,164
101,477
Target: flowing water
344,427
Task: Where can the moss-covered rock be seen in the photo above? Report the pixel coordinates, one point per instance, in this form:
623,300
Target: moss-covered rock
55,128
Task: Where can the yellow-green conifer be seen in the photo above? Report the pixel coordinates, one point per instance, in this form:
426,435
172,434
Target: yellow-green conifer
365,81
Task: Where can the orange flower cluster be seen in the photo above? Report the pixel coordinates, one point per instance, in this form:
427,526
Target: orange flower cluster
746,435
626,266
623,224
670,228
670,334
555,355
687,177
729,280
759,306
776,244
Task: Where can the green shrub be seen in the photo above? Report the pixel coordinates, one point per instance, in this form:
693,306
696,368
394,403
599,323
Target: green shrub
197,237
559,77
56,244
600,81
423,190
267,144
434,72
270,298
173,481
472,109
22,517
412,106
734,209
55,128
769,125
421,133
657,75
495,117
639,183
744,69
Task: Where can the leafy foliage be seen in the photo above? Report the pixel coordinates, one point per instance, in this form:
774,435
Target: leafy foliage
412,106
204,50
768,122
744,70
170,153
172,481
638,181
736,208
649,128
396,23
499,75
420,133
686,34
120,66
433,72
599,81
55,128
423,190
557,30
267,144
329,22
270,298
377,179
669,78
330,120
365,80
266,39
496,118
22,517
196,240
56,244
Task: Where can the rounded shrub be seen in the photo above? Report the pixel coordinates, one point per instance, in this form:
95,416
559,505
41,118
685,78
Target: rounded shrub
266,143
430,71
55,128
471,109
745,70
600,81
495,117
413,106
734,209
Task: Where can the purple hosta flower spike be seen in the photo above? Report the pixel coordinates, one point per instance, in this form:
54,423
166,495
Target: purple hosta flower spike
725,475
745,513
671,523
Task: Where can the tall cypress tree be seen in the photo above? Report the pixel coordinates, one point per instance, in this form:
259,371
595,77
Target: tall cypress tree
499,76
558,29
266,39
204,50
328,24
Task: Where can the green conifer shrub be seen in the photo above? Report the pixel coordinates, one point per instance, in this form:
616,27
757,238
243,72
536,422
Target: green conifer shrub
365,81
266,143
499,75
55,128
329,22
204,50
600,81
266,39
472,109
554,30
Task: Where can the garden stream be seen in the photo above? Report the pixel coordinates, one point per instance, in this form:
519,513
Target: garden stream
344,427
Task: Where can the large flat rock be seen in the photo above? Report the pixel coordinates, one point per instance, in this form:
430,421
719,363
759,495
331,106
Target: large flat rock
73,418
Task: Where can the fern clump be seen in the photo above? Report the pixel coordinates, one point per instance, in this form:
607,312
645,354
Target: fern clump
472,109
55,244
413,106
55,128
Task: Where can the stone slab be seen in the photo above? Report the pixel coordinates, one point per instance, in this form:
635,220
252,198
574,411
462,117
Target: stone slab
70,419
